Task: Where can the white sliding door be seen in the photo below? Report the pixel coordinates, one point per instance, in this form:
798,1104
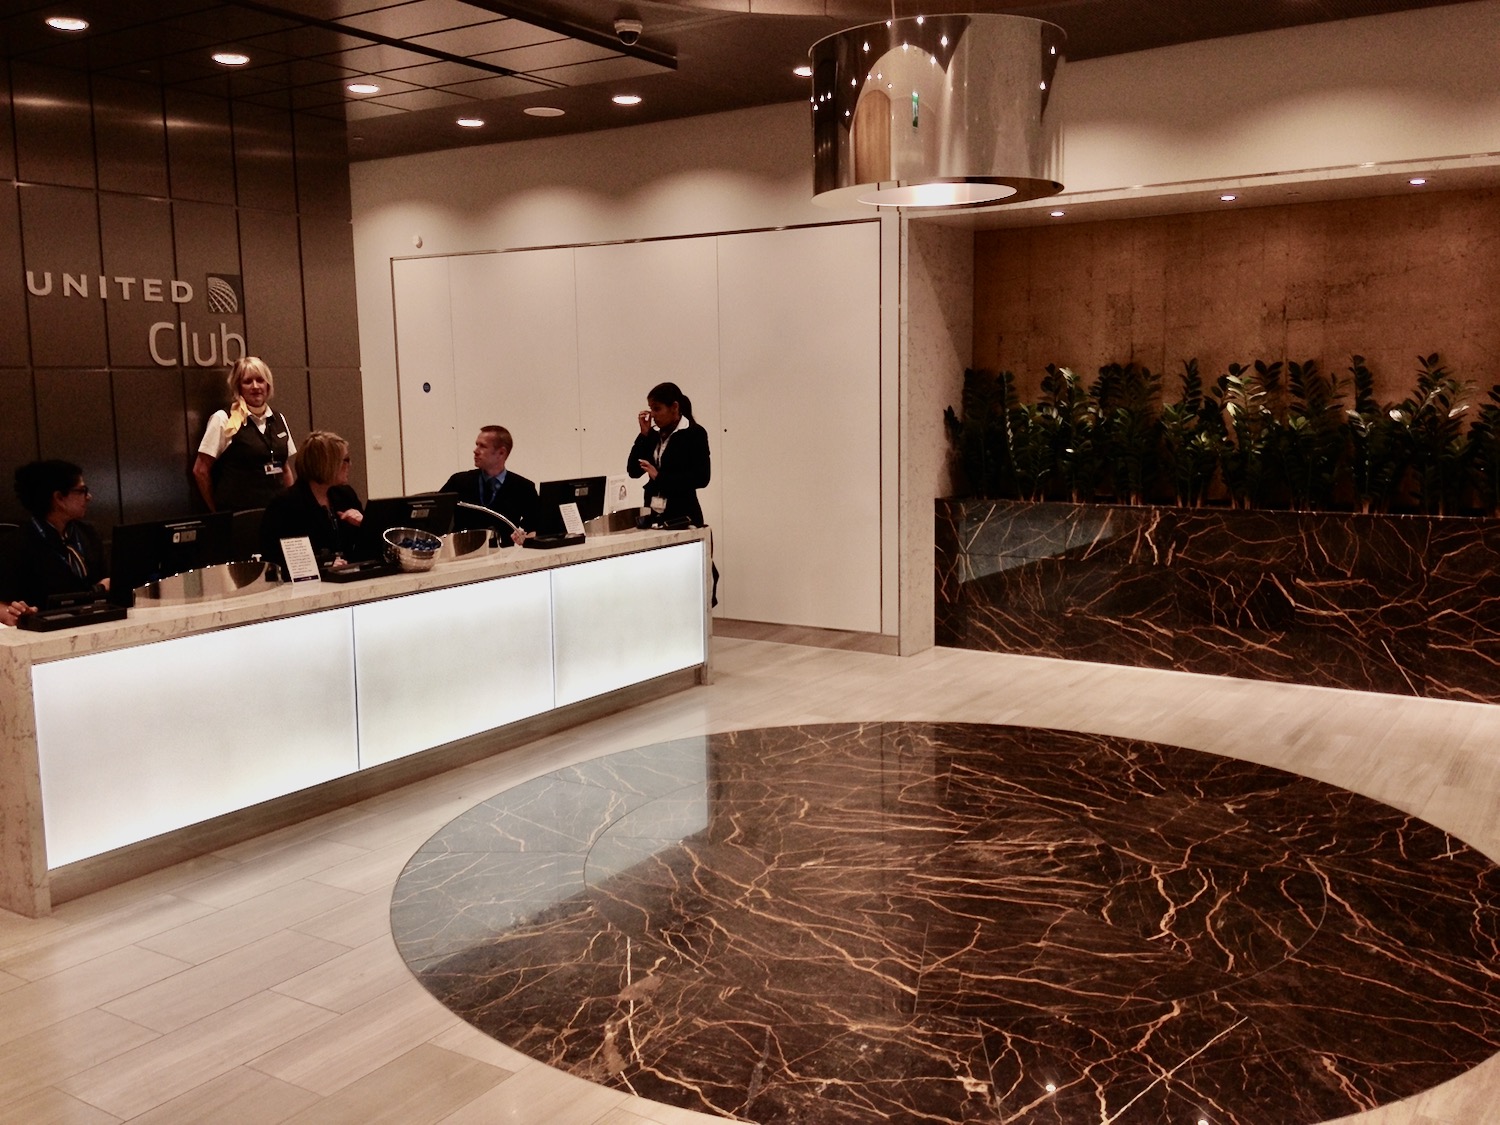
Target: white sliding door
515,358
799,327
647,314
424,370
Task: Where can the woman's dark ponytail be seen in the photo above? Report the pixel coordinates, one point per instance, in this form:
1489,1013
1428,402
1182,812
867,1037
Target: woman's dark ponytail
665,393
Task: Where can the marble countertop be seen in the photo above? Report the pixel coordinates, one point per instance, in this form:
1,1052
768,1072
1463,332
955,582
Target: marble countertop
147,623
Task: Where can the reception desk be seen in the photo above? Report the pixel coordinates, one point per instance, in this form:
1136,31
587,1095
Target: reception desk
178,717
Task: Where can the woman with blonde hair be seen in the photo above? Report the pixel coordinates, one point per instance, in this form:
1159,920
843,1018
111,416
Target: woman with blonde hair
245,456
320,504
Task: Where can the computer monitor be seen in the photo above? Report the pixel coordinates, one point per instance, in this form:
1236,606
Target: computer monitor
427,511
146,552
586,492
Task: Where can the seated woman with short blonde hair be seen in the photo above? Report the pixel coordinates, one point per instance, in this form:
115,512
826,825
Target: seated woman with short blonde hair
320,505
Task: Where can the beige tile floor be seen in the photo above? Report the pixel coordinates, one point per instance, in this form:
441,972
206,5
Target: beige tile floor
260,984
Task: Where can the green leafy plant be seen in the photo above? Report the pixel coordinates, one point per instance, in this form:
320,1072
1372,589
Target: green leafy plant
1271,434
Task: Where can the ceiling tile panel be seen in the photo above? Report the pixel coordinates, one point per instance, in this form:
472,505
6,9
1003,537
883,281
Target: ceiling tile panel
556,52
614,69
490,89
436,74
419,17
426,99
501,35
377,57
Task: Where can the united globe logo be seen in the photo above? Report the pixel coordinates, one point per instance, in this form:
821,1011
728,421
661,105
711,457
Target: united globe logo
223,293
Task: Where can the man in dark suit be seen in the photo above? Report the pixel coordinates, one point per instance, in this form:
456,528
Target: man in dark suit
491,484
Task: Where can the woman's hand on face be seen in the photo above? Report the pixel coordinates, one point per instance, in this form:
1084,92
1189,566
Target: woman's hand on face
648,468
644,418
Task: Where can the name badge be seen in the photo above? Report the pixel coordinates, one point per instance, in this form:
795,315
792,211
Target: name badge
271,469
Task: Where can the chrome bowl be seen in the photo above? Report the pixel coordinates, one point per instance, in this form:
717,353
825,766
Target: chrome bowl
468,544
228,580
411,548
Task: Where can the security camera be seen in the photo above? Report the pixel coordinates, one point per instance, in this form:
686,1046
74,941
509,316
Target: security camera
629,31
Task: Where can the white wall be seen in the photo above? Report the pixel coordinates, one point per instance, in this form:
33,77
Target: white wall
1385,89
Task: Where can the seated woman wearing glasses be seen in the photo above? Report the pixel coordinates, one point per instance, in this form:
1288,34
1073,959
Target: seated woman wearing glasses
320,505
60,553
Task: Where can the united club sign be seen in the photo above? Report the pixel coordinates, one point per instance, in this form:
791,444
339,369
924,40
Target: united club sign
172,342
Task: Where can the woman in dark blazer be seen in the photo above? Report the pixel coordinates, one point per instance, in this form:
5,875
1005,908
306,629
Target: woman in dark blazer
59,551
672,450
320,505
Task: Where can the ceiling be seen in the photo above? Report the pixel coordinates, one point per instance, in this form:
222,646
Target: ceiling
438,60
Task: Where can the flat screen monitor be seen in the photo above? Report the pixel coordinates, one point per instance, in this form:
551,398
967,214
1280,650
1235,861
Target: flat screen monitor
146,552
429,511
586,492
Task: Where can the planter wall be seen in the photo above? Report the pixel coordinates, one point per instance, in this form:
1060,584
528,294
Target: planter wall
1408,605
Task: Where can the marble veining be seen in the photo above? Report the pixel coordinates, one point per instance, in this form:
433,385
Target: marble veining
1404,605
961,923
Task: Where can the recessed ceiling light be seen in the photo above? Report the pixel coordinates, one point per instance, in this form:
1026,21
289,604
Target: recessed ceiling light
1417,181
543,111
67,23
471,122
1058,214
1228,198
803,71
230,58
362,88
626,99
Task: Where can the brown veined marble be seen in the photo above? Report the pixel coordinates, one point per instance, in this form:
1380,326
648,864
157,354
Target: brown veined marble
961,923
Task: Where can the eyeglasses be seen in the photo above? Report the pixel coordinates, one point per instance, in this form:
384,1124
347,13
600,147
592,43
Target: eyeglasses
81,490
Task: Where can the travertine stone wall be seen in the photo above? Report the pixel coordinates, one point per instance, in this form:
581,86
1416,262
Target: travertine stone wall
1389,278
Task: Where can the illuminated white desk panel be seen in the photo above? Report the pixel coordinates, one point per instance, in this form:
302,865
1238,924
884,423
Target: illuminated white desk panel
619,621
140,741
116,733
446,664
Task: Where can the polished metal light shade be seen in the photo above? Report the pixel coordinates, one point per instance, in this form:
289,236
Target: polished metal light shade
936,111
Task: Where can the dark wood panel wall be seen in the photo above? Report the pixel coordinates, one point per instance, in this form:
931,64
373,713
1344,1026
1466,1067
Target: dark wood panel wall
1390,278
143,187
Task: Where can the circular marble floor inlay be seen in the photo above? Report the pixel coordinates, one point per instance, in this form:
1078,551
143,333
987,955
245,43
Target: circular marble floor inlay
960,923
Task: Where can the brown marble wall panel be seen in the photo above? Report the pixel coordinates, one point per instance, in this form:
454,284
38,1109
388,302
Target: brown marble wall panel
136,232
263,162
7,130
60,236
130,137
272,271
200,148
335,405
75,422
1408,605
54,133
152,442
15,349
1388,278
17,435
328,280
294,399
322,149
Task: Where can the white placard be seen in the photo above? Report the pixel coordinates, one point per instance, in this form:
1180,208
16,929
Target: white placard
301,561
572,521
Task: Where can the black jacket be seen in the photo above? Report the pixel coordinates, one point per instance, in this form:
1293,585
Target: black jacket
683,470
44,565
296,512
516,500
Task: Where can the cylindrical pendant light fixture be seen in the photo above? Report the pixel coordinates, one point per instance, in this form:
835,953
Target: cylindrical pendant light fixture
935,111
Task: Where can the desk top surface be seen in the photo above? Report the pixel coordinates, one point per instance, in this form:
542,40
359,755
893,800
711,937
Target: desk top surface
147,623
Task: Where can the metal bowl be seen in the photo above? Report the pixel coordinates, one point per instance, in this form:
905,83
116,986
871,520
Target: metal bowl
227,580
412,548
468,544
